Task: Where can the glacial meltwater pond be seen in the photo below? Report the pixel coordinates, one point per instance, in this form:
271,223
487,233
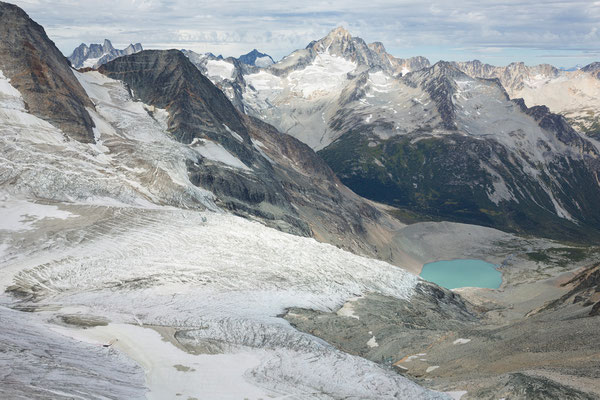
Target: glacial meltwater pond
462,273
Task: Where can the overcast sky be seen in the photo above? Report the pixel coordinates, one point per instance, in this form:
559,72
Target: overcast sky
563,33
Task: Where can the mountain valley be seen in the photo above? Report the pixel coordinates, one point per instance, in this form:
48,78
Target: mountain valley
180,225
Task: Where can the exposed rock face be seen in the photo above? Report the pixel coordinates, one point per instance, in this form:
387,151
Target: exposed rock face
99,54
439,82
38,70
584,293
395,324
399,65
529,386
256,59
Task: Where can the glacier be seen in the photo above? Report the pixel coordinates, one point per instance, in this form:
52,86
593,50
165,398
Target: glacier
145,288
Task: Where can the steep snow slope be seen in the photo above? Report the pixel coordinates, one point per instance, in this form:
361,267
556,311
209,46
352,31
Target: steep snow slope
308,91
220,69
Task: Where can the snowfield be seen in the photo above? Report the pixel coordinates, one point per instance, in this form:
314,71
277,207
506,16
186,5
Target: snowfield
186,299
311,91
220,69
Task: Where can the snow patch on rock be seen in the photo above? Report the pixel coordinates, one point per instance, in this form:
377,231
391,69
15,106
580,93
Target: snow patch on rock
372,342
461,341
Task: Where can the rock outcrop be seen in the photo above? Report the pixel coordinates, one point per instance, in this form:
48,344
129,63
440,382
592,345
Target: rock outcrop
43,76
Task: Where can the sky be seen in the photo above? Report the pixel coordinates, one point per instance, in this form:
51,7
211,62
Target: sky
562,33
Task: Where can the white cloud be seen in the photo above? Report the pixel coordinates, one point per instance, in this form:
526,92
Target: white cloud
406,27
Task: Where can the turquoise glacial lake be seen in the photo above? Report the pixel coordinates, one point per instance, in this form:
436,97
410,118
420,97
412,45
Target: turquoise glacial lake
462,273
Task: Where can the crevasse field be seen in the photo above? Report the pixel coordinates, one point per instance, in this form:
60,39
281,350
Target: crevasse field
186,301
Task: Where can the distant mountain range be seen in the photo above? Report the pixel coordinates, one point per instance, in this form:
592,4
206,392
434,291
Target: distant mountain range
99,54
566,91
575,94
570,69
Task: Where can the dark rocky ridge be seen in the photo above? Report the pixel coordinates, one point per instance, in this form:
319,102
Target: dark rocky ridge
437,81
166,79
43,76
199,110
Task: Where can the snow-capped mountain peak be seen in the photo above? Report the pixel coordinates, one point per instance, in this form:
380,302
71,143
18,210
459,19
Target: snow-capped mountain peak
339,42
338,34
